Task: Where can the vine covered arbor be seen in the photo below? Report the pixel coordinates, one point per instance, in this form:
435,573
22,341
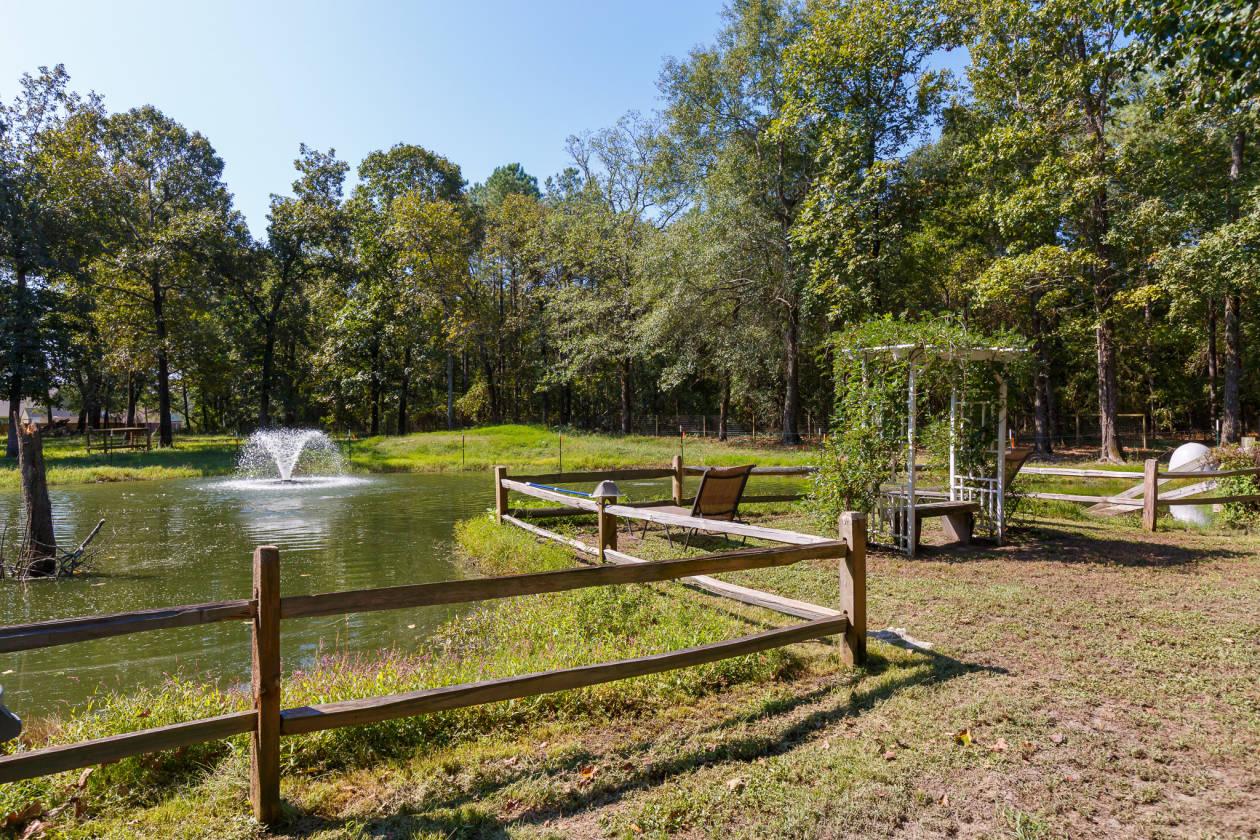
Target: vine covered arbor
921,431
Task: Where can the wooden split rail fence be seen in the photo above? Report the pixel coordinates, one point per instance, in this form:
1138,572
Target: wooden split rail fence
851,527
267,721
1146,495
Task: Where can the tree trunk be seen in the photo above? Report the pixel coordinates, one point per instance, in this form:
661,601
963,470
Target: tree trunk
450,391
1212,365
1042,436
1108,402
183,385
1231,409
791,375
403,387
17,359
133,395
492,386
164,380
39,551
625,397
268,374
15,412
724,407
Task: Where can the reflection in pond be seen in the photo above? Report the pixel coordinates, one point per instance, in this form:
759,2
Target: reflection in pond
191,541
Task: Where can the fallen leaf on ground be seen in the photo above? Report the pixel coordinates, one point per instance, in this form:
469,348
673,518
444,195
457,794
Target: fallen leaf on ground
83,777
998,746
15,818
944,800
1056,737
35,829
737,784
890,755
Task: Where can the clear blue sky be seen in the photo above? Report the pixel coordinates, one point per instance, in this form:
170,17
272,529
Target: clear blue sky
483,83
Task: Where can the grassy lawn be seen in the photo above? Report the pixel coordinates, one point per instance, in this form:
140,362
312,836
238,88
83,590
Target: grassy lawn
68,461
537,447
1086,680
519,446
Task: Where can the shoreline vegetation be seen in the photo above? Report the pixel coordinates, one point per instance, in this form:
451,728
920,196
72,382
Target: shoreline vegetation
521,447
1092,688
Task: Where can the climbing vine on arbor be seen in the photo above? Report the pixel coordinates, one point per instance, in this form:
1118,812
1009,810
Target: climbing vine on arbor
868,444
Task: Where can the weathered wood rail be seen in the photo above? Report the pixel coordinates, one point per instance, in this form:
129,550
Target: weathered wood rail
677,472
852,528
1147,496
266,721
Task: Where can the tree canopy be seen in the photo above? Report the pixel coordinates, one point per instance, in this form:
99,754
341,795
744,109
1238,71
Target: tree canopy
1088,182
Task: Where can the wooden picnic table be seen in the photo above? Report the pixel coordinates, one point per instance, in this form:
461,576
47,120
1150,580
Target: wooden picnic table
120,437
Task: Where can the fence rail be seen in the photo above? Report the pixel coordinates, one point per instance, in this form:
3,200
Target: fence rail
1146,495
266,722
677,472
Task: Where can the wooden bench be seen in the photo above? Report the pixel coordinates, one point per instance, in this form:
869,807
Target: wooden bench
959,519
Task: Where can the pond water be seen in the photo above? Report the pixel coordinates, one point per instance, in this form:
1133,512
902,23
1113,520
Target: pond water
167,543
191,541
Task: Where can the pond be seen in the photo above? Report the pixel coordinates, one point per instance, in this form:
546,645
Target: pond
167,543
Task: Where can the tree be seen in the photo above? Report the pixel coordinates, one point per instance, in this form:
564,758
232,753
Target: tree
598,228
860,80
511,179
723,103
385,177
1207,51
1050,72
307,235
171,215
48,164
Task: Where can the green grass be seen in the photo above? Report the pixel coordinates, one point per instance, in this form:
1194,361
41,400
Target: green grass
520,447
68,461
538,448
1107,679
526,635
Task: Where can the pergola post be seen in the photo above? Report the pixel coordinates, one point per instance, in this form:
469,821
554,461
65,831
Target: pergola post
1001,460
953,441
911,526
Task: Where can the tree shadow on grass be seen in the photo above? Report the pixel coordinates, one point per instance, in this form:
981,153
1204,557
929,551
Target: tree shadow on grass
783,723
1044,542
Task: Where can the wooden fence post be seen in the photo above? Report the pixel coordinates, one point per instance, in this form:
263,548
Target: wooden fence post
1150,494
607,530
677,466
853,586
264,753
500,494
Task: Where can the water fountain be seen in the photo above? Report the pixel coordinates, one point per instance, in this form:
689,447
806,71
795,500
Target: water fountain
303,457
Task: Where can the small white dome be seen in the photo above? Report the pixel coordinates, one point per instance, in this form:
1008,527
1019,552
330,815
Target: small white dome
1186,453
1182,457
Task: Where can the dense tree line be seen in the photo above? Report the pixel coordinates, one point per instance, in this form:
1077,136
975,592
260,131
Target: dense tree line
1089,182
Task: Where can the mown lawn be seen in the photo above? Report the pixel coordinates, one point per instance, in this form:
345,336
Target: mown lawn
523,447
475,449
1087,680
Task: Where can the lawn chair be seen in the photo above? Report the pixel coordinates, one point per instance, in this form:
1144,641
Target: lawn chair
716,498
